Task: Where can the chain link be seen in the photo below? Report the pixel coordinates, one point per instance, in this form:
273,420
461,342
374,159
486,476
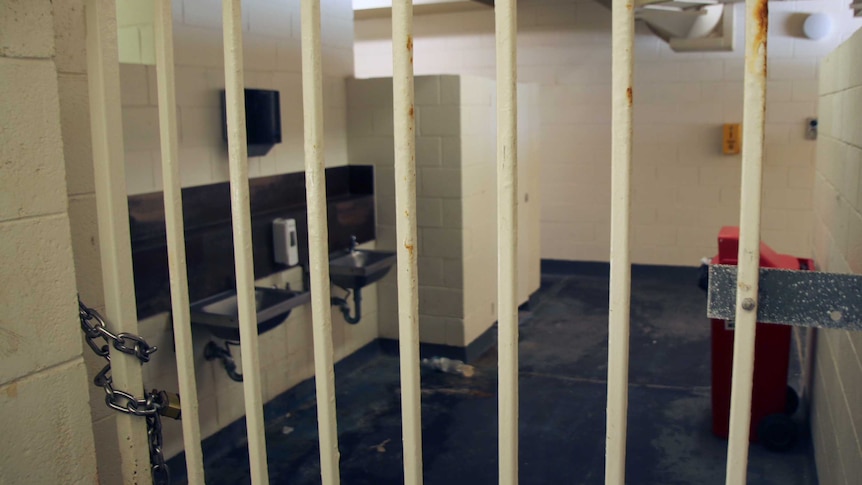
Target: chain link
100,339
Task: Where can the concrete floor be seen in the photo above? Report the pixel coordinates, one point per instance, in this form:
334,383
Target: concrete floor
563,361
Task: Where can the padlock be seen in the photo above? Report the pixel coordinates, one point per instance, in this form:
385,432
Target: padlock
170,405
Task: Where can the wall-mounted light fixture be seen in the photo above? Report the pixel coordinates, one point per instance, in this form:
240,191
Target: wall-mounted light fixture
817,26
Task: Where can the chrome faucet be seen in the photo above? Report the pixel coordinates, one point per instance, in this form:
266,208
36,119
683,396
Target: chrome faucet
352,248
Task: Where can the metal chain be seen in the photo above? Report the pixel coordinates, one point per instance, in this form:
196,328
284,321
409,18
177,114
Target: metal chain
122,401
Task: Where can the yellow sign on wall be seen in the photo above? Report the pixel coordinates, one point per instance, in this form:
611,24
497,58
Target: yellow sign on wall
732,139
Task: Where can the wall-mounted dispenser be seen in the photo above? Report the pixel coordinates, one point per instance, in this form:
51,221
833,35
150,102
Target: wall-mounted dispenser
262,120
285,242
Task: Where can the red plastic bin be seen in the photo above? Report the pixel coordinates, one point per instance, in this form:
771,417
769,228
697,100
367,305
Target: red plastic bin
771,347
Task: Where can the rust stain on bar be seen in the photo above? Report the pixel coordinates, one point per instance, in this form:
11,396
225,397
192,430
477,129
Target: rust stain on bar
762,19
629,95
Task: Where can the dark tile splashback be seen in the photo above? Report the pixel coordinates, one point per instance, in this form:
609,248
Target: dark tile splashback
209,236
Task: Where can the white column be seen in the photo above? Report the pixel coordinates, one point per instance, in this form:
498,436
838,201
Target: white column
507,237
164,38
242,248
318,240
405,226
620,257
103,74
756,14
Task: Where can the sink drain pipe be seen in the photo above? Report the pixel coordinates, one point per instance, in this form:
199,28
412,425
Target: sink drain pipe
212,352
342,305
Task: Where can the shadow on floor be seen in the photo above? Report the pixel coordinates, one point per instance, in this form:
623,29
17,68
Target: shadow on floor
563,363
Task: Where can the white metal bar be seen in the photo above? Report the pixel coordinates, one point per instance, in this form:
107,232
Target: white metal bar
318,240
164,39
103,74
506,32
753,118
241,219
620,257
405,226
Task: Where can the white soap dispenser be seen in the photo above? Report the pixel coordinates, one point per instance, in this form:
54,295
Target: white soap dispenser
284,241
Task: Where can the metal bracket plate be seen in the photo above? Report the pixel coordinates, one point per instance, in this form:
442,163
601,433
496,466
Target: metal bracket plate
799,298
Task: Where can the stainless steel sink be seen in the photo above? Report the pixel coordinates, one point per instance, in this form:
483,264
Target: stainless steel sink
360,267
218,313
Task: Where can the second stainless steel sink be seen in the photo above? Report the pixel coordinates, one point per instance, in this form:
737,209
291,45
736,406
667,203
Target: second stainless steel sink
359,267
219,313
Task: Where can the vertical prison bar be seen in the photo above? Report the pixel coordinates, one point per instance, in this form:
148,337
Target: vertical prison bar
318,240
620,255
103,69
164,40
241,220
753,117
405,210
506,31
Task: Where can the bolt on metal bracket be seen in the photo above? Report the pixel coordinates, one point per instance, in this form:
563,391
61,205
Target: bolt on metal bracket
799,298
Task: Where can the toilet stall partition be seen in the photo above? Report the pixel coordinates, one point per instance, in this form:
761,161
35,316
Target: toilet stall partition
115,247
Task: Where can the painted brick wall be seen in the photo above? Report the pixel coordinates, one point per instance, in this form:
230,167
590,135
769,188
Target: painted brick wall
836,413
44,410
684,188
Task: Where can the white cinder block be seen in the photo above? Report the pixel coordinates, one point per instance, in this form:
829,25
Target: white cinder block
70,36
26,29
431,271
452,213
442,302
792,112
432,330
288,56
199,127
141,128
440,182
134,89
32,172
54,438
441,242
477,91
196,46
259,52
139,169
270,18
429,151
85,247
426,90
75,126
438,121
453,273
791,69
429,212
42,251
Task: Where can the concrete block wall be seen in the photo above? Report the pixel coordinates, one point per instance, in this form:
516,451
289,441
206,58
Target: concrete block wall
44,410
836,401
684,187
438,197
456,199
272,60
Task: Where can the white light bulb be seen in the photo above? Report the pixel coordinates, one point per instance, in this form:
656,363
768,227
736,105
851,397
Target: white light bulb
817,26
